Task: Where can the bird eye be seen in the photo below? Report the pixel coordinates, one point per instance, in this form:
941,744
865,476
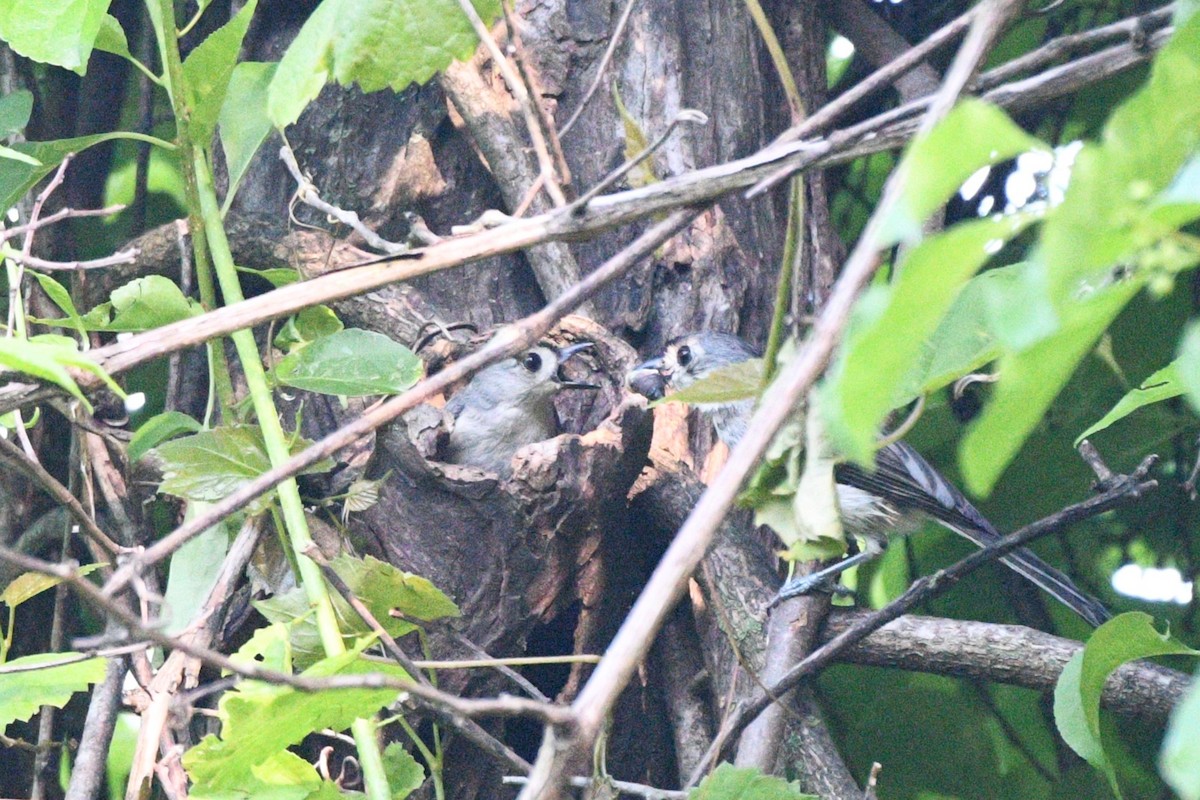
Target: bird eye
532,362
684,356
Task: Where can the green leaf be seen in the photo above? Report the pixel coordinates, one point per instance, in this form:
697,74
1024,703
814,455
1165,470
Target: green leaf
1077,694
59,32
208,68
159,429
352,363
210,465
30,584
1162,385
309,325
276,276
728,782
739,381
15,110
193,571
49,361
120,753
404,774
1029,382
149,302
261,720
111,38
22,693
59,295
374,43
868,379
1188,364
973,135
380,586
1179,762
245,125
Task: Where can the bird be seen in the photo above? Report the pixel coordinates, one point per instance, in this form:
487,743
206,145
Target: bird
509,405
890,500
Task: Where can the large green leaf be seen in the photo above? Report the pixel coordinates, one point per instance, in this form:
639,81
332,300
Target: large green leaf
208,68
1077,695
869,378
353,363
404,774
210,465
973,135
48,359
159,429
261,720
244,121
374,43
59,32
140,305
1179,761
22,693
1188,364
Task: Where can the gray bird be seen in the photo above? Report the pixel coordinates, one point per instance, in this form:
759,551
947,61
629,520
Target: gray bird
875,505
509,405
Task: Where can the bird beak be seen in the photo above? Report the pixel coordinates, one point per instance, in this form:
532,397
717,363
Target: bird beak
648,379
561,377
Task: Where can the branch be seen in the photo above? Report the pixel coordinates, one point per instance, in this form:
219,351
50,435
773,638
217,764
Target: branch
776,162
922,590
1011,654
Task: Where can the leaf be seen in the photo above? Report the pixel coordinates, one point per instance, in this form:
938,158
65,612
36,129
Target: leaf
30,584
111,38
974,134
59,32
351,363
374,43
380,586
159,429
207,71
1188,364
49,361
276,276
815,505
193,571
22,693
1162,385
635,144
120,752
15,109
868,379
728,782
245,126
1077,694
739,381
309,325
404,774
1179,761
1029,382
146,303
59,295
261,720
212,464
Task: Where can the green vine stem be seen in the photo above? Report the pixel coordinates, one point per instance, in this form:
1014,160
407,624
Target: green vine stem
213,255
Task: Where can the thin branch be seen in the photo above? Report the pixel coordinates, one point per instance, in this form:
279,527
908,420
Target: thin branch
884,132
513,81
921,591
116,259
58,216
49,484
307,193
613,41
508,342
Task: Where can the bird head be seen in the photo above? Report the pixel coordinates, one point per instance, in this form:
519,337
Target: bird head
685,361
533,376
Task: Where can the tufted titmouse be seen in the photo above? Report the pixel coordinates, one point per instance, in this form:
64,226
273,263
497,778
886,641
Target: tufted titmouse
509,405
875,504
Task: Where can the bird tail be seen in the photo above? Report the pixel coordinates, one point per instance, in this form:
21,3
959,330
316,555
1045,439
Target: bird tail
1052,581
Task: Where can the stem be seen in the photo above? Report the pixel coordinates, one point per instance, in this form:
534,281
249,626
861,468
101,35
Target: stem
213,254
778,59
793,245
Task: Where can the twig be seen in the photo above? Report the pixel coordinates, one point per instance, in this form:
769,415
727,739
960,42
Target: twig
884,132
116,259
880,45
513,81
922,590
58,216
307,193
667,582
49,484
613,41
506,343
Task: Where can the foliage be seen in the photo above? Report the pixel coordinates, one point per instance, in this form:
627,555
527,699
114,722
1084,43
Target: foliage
728,782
